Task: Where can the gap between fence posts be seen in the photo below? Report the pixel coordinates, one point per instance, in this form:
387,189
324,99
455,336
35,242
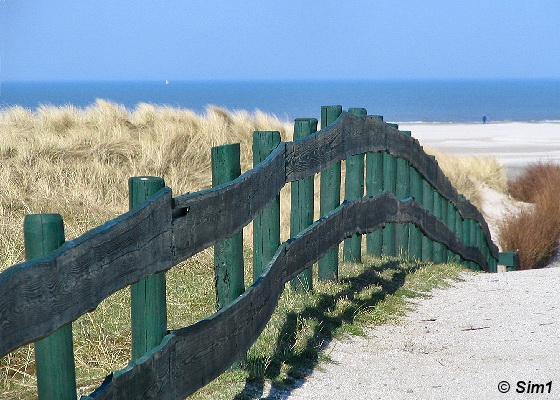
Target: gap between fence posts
54,355
228,253
374,186
302,202
266,224
354,189
330,197
147,297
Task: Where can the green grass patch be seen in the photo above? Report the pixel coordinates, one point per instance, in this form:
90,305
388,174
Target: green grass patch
293,343
290,347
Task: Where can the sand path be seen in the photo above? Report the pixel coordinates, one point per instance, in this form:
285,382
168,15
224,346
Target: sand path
463,342
459,344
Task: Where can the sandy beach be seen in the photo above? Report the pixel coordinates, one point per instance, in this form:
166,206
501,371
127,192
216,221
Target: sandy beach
514,144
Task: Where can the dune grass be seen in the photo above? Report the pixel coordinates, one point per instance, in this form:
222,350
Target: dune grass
76,162
535,231
467,173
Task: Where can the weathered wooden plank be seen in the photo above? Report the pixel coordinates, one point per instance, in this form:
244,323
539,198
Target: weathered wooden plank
191,357
350,135
203,218
39,296
355,135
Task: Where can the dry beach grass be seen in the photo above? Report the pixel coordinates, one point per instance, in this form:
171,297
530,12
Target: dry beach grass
535,231
76,162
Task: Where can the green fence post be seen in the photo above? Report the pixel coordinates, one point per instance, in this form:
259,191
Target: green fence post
354,189
402,191
390,185
374,186
54,355
330,197
428,204
467,239
459,231
473,241
302,202
451,225
509,260
438,247
416,191
266,225
228,253
480,238
443,218
147,297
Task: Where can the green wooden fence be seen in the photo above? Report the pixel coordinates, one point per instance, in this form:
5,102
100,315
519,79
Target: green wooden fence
410,209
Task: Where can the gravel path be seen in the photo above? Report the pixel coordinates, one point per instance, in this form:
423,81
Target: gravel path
458,344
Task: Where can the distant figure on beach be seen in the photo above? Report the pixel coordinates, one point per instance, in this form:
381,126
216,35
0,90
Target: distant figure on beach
484,119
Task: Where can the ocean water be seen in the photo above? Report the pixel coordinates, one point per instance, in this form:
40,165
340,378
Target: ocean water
398,101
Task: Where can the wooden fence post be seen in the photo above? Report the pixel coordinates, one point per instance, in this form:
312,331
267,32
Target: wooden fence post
330,197
467,237
374,186
473,241
266,225
402,188
354,189
228,253
54,355
479,238
438,247
459,231
508,260
451,224
416,191
428,204
390,185
147,297
302,202
443,217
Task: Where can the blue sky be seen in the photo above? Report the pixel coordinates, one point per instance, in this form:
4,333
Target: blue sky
252,39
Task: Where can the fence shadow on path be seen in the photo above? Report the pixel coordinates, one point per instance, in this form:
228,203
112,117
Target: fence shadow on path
300,366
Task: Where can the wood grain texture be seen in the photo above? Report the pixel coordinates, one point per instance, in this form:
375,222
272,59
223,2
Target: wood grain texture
205,217
39,296
355,135
233,206
189,358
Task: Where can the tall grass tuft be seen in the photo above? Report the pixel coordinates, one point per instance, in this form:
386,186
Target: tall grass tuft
534,180
466,173
535,231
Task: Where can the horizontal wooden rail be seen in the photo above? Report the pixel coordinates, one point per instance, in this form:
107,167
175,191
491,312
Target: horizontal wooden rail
230,206
39,296
234,206
191,357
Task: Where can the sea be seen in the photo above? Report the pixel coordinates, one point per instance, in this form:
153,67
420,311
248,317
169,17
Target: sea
427,101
